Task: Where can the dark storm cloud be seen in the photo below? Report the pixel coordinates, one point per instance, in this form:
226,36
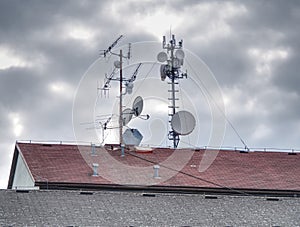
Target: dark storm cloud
20,87
228,61
28,16
287,75
275,25
35,29
263,25
277,15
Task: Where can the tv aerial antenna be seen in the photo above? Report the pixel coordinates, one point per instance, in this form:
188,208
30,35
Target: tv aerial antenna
109,49
127,83
182,122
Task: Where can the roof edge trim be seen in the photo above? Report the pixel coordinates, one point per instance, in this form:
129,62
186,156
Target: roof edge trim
13,166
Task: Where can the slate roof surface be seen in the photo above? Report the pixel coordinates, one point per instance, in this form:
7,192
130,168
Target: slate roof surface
70,208
254,170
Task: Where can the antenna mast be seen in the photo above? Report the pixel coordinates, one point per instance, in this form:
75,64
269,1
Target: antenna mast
127,82
111,77
121,107
173,72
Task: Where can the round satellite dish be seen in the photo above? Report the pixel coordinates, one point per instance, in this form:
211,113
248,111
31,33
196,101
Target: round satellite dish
179,54
127,116
117,64
137,106
129,88
162,57
163,74
176,63
183,122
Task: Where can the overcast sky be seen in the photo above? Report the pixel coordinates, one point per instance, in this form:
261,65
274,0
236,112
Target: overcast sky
252,48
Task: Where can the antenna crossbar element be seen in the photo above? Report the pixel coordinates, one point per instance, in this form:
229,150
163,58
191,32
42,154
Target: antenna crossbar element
133,77
108,50
108,79
106,86
106,123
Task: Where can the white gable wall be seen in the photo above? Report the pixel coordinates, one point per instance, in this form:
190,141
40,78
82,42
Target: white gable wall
22,176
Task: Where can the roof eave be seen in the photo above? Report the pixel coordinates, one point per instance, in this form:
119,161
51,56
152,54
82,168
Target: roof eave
166,189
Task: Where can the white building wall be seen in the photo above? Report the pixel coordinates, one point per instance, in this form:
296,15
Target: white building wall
22,177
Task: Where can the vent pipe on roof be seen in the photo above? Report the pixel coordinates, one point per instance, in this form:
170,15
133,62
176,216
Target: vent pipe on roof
95,169
156,169
93,149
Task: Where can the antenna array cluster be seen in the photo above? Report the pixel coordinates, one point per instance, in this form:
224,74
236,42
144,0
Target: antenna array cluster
124,115
182,122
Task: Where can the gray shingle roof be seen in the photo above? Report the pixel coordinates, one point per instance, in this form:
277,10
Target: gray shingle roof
70,208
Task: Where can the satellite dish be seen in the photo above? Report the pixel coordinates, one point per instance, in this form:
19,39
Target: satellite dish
183,122
129,88
179,54
117,64
132,137
137,106
162,57
163,74
176,63
127,116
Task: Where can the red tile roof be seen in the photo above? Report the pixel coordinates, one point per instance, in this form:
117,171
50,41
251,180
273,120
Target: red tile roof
254,170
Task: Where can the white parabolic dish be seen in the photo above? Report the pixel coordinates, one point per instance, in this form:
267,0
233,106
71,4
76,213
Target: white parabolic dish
183,122
179,54
137,106
162,57
127,116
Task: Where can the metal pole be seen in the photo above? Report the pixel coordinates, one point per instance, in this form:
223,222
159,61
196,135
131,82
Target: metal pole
121,108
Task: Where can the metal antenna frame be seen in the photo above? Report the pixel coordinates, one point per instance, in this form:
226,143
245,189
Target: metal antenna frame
174,75
108,50
121,80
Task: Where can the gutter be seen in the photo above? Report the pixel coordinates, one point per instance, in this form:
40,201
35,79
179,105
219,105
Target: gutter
168,189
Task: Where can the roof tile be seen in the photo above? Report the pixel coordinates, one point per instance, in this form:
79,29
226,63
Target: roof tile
253,170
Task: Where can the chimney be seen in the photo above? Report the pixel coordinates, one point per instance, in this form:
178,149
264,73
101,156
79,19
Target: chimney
93,149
